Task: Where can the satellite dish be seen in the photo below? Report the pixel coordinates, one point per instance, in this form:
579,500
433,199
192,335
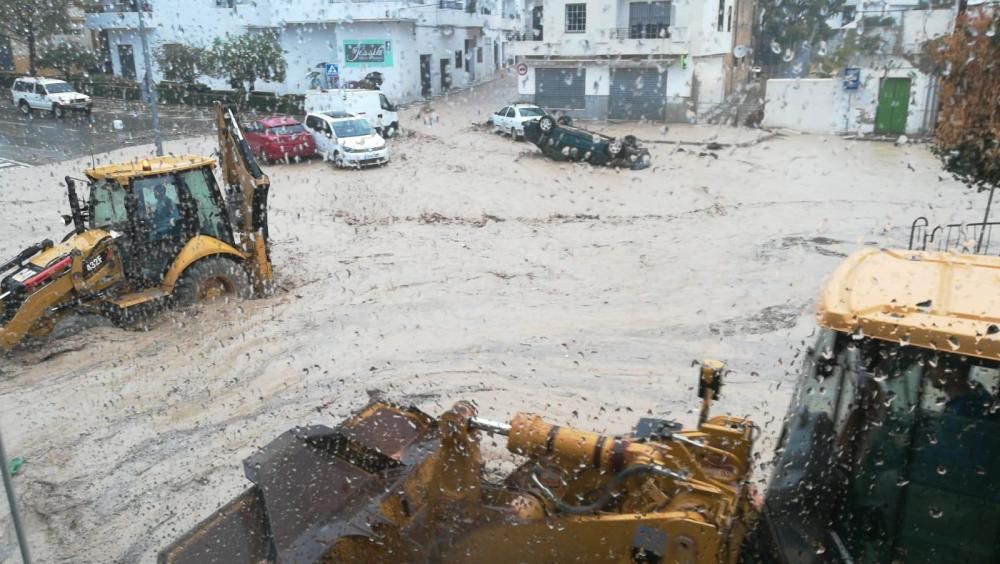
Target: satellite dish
740,51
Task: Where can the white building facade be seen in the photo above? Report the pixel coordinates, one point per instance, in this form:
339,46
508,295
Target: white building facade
420,48
627,59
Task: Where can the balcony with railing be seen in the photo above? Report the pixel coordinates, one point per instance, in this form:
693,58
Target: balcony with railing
118,14
637,39
642,30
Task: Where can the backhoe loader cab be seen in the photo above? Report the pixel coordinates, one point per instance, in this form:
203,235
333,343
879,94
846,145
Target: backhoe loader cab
151,232
890,451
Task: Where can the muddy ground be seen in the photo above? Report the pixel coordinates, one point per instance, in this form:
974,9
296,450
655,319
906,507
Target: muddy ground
469,268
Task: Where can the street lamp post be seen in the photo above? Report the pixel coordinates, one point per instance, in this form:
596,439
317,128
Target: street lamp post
15,516
148,80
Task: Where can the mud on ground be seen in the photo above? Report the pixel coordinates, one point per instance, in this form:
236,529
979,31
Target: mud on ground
468,268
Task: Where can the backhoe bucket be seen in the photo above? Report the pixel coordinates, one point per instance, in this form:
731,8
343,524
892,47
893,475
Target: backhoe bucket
312,486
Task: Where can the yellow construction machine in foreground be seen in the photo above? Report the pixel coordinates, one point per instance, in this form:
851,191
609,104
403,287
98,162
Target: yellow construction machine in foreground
152,232
890,453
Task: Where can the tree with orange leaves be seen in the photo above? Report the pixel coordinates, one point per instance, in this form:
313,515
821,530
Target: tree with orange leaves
967,138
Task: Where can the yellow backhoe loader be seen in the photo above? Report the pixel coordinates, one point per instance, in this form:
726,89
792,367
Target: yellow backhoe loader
890,453
152,232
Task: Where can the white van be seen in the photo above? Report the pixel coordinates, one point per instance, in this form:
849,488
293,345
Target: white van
346,140
369,104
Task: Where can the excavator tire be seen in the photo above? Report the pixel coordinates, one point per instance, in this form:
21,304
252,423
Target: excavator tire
212,278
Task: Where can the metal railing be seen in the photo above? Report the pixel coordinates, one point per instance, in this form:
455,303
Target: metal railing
973,238
120,6
451,4
651,30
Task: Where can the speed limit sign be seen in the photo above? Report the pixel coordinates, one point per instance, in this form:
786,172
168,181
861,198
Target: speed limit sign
522,69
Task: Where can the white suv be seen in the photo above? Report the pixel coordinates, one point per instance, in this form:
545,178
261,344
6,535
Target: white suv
346,139
48,94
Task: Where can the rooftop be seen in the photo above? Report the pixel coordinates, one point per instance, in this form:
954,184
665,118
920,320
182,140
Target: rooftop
275,121
150,166
932,300
41,79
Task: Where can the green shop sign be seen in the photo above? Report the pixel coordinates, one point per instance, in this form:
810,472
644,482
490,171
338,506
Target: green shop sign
367,53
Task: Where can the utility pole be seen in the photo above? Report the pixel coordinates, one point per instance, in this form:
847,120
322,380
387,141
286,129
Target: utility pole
15,516
150,85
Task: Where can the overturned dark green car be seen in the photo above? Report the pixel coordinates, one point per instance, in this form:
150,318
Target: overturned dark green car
561,141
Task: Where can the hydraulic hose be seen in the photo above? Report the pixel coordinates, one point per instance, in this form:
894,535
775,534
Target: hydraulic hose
608,492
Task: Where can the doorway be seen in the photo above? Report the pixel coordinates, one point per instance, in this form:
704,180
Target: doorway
425,75
126,59
6,55
496,55
445,74
893,106
470,69
537,27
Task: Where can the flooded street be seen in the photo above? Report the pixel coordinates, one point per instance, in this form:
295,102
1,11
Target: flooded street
471,267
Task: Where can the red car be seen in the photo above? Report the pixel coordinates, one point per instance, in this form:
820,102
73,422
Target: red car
279,138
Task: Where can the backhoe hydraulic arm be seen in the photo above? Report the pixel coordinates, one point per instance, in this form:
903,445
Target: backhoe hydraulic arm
244,178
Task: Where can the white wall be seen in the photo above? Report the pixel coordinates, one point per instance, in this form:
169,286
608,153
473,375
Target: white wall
808,105
923,25
679,80
824,106
711,81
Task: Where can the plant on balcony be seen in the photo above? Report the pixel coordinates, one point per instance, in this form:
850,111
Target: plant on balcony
181,63
67,59
967,137
33,22
243,59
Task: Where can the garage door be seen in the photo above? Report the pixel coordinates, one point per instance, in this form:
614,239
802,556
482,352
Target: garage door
560,89
638,94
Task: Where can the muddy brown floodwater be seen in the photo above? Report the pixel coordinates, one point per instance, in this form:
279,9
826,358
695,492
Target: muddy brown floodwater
469,268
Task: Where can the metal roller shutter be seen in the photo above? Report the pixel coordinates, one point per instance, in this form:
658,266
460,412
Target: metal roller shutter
560,89
638,94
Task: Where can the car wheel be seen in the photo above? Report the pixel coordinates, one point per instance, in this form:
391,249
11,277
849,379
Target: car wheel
614,147
262,157
546,124
25,107
210,279
338,160
513,134
564,120
58,111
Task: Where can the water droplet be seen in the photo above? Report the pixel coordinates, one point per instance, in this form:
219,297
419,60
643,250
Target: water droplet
821,49
936,512
788,56
775,47
858,334
904,341
941,470
953,341
902,482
